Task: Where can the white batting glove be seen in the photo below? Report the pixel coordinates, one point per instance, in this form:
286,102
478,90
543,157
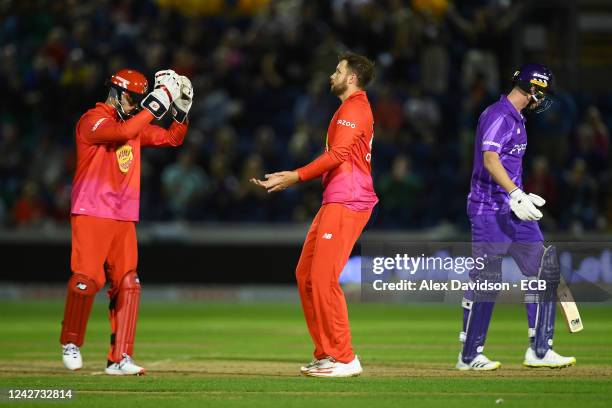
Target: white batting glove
536,199
524,205
182,105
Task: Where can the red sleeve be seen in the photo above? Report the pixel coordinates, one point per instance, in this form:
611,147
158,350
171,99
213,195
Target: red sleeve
103,129
348,128
156,136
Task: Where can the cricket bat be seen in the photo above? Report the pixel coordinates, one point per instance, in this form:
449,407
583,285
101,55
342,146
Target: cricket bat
569,308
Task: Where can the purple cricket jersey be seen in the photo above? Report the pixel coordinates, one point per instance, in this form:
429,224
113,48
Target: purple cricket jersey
501,129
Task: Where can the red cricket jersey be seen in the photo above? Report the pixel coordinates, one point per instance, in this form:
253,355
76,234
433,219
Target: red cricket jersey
345,164
107,179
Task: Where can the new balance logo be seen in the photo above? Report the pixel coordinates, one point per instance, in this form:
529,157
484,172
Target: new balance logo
327,235
81,286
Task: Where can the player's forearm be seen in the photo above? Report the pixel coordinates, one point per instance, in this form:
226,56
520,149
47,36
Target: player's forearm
176,133
119,132
157,136
318,166
497,171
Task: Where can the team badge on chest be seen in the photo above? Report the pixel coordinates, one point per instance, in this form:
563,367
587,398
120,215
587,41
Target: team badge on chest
125,157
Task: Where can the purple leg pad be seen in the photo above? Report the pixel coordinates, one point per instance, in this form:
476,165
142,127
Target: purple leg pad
477,325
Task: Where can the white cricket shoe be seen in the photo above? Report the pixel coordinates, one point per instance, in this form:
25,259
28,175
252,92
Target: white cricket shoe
71,356
329,367
310,365
125,367
551,359
479,363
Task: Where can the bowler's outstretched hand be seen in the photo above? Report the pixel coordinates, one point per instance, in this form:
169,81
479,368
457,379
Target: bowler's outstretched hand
277,181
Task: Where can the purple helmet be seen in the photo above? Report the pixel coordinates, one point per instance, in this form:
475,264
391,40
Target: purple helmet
537,81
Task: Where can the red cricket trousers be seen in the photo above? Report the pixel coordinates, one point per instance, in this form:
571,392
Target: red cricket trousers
103,248
328,245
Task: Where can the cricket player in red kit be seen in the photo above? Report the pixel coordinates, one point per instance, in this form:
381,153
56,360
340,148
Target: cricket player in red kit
105,206
348,199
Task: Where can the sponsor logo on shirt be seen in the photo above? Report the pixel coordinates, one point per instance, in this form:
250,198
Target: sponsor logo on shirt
491,143
518,148
346,123
125,157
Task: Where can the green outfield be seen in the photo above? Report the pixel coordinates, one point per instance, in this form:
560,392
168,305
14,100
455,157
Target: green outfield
202,354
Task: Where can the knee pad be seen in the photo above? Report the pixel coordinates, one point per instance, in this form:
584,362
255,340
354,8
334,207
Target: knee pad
550,271
130,281
492,273
82,285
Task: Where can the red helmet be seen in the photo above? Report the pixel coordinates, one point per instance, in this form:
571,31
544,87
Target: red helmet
131,81
133,84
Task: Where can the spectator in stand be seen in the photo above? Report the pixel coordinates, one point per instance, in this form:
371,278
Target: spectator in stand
258,65
184,184
402,190
580,198
541,182
599,129
388,113
29,210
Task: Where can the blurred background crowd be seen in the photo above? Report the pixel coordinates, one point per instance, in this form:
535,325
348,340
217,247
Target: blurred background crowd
261,75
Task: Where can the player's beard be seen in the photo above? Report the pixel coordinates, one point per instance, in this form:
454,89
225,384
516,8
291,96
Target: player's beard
533,105
339,88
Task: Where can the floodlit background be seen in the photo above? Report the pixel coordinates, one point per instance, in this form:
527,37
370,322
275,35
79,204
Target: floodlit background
262,103
220,322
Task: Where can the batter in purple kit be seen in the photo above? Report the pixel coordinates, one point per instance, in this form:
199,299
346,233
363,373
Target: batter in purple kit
504,220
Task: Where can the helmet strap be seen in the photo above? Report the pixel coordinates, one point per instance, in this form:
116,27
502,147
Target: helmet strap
116,95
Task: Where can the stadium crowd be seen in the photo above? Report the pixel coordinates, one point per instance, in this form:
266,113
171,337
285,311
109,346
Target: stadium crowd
262,103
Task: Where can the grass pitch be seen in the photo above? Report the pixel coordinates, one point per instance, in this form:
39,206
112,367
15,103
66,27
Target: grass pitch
229,355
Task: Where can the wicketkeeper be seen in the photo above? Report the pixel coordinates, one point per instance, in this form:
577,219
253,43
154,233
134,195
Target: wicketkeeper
105,206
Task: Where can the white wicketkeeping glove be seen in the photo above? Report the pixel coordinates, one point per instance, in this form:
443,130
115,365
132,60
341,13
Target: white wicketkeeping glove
160,74
169,80
181,106
167,88
524,205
